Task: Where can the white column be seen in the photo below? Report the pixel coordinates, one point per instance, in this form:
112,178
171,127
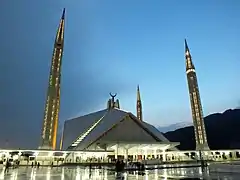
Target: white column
36,155
205,155
155,153
72,157
116,152
145,153
19,156
126,154
51,157
164,155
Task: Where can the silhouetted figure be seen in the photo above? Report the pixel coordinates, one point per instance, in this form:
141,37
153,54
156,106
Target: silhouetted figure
90,170
38,164
32,164
138,164
119,166
119,169
122,165
7,166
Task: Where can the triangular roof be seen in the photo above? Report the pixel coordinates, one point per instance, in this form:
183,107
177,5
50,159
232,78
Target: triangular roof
73,127
85,130
115,135
111,118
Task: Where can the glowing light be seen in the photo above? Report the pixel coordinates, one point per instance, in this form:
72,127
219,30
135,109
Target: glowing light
62,175
156,174
105,174
86,133
165,175
78,174
15,157
14,175
33,174
2,174
190,70
48,174
146,175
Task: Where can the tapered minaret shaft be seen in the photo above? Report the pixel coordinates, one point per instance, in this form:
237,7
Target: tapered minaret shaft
139,105
50,122
196,106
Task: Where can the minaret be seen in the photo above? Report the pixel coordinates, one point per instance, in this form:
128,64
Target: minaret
50,122
196,106
139,105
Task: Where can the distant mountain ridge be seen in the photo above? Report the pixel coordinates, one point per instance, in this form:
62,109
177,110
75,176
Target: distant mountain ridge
175,126
222,132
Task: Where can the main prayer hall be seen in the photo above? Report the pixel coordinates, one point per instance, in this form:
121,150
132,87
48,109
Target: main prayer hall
117,132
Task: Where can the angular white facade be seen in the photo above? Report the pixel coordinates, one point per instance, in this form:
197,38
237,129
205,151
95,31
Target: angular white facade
104,129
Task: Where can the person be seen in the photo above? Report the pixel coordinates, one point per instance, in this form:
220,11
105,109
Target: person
6,166
90,170
122,165
118,166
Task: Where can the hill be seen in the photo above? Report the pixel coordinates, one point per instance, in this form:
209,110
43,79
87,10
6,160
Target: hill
222,132
174,127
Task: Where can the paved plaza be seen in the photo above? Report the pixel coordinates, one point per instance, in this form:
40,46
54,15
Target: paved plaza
76,173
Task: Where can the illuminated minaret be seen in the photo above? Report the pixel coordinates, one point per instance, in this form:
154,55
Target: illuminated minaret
139,105
195,100
50,122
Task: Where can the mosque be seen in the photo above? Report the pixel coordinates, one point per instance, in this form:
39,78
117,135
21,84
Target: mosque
118,132
111,133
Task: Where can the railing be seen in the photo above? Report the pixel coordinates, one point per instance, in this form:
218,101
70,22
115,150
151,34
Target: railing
82,136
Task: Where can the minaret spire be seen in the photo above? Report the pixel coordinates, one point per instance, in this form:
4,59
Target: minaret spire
196,106
186,45
138,94
189,63
139,105
63,14
50,122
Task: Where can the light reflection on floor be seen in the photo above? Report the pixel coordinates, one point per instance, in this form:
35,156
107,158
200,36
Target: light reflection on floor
61,173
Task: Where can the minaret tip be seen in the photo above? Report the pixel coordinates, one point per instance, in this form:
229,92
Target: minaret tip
63,14
186,45
138,93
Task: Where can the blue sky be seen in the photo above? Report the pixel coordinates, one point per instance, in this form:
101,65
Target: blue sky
112,46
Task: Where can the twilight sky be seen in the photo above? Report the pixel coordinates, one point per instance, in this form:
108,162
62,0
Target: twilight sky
111,46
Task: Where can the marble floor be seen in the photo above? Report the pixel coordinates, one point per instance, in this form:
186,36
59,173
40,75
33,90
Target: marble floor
77,173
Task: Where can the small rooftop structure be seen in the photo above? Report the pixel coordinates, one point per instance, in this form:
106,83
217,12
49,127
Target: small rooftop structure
112,103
